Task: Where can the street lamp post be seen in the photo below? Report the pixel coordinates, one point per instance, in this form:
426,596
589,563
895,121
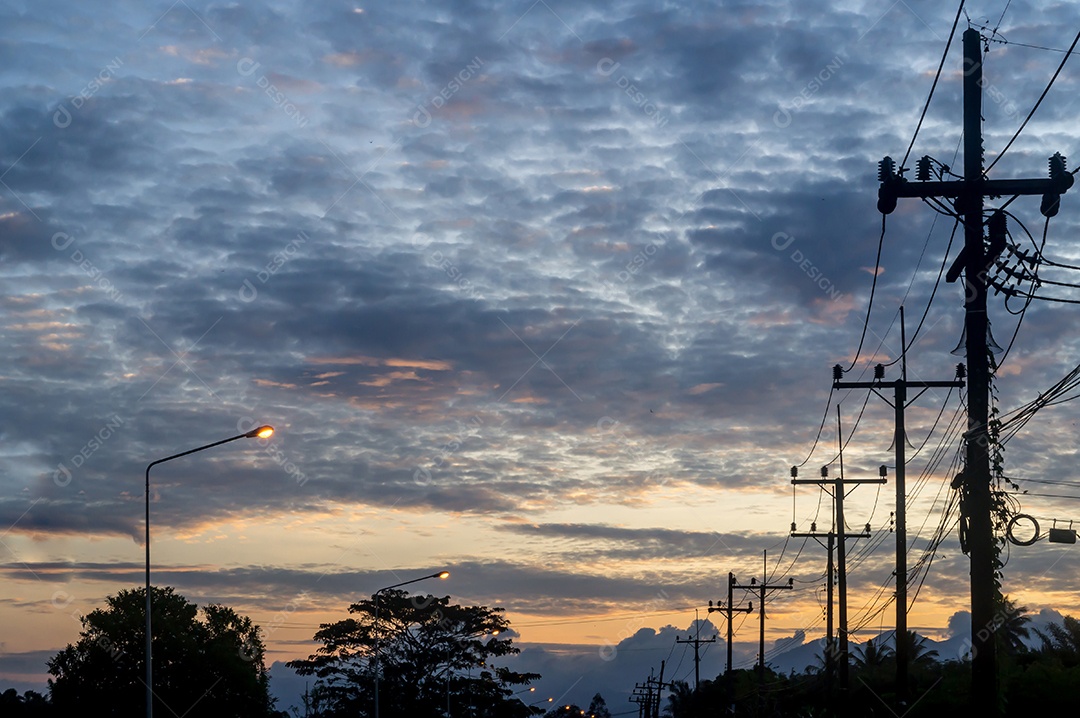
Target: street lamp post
262,432
375,596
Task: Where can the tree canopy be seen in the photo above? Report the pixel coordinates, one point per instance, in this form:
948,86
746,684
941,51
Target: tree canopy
214,666
434,658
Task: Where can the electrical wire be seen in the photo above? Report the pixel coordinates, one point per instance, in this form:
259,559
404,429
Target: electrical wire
933,86
933,292
1036,107
873,288
821,428
1007,4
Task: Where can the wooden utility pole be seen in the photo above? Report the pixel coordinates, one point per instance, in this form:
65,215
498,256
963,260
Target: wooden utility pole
761,588
839,493
899,403
696,642
727,610
976,523
830,547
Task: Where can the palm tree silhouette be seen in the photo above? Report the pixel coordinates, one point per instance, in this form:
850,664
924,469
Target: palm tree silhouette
872,654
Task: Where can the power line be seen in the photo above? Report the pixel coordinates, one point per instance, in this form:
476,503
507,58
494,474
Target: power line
933,86
870,304
1037,103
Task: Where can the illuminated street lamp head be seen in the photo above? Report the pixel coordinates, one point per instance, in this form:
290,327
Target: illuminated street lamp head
443,574
262,432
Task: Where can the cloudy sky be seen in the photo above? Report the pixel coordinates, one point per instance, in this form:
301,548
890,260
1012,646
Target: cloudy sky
545,293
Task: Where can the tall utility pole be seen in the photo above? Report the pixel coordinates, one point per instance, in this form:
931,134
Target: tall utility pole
976,521
647,696
660,685
761,588
727,610
830,547
899,403
839,494
696,643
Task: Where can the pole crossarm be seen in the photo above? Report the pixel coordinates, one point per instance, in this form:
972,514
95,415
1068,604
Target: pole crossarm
818,534
958,383
895,186
820,482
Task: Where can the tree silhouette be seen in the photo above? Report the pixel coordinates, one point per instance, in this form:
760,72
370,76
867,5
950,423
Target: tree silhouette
872,655
1062,641
30,703
598,707
1014,628
920,654
214,666
432,654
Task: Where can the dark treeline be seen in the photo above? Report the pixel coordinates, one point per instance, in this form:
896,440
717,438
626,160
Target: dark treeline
1046,678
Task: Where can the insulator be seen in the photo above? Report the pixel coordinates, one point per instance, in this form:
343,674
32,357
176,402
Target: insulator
997,224
886,169
867,527
824,472
1057,166
794,472
837,372
753,582
883,471
813,526
1051,201
922,168
793,527
879,371
961,371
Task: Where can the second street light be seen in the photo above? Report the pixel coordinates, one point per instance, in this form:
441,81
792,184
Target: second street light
375,596
262,432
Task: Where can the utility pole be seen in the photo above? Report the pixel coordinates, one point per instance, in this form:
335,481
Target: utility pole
899,403
833,648
830,547
660,685
841,549
727,610
761,589
696,642
976,522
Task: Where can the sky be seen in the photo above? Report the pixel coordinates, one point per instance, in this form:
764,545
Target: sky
543,293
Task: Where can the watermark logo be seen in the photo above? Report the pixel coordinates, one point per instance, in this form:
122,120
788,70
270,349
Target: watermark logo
423,475
455,274
246,67
609,650
637,262
782,117
248,292
781,241
607,67
63,475
63,117
61,241
423,114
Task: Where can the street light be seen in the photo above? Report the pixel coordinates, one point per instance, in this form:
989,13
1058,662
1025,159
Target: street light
440,574
261,432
